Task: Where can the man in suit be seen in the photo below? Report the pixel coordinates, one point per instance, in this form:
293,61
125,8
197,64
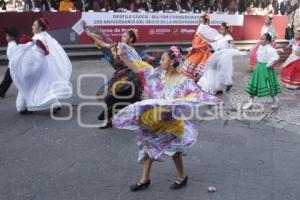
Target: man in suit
118,5
12,42
148,6
176,6
188,6
163,5
200,6
283,6
213,7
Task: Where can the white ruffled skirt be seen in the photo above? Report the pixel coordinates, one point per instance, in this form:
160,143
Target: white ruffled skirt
41,80
218,71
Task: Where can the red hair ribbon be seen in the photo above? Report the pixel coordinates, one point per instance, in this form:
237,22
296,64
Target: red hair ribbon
44,22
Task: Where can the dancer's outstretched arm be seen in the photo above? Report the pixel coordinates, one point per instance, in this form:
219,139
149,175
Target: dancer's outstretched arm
96,38
206,39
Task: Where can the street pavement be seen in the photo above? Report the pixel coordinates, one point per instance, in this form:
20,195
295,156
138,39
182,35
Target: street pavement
46,159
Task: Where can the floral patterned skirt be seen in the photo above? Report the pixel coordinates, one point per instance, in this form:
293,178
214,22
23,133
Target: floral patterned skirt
151,143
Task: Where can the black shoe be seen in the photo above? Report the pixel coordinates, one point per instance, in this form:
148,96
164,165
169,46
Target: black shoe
2,96
228,88
179,185
219,92
25,112
108,125
55,110
140,186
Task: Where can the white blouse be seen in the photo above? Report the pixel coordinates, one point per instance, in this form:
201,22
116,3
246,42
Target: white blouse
225,42
10,49
267,54
296,46
268,29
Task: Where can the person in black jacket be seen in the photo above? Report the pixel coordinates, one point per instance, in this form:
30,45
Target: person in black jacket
200,6
188,6
118,6
282,7
12,41
163,5
213,7
2,5
242,6
148,6
176,6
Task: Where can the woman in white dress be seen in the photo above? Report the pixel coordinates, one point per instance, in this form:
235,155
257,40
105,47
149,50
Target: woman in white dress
41,71
219,67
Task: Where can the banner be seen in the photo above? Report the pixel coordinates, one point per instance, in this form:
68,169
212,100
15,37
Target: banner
157,19
153,27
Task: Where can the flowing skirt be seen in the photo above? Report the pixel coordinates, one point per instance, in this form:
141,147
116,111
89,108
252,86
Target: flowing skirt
166,134
290,74
41,80
218,71
123,88
263,82
195,62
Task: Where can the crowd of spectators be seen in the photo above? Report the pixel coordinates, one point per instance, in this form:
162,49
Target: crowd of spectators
251,7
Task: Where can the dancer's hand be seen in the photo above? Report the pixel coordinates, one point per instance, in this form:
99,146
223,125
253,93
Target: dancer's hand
270,64
190,49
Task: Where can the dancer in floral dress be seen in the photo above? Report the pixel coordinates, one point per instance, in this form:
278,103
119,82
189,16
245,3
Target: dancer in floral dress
160,126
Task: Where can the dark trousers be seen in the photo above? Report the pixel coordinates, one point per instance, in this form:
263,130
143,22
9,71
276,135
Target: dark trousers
111,100
5,83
